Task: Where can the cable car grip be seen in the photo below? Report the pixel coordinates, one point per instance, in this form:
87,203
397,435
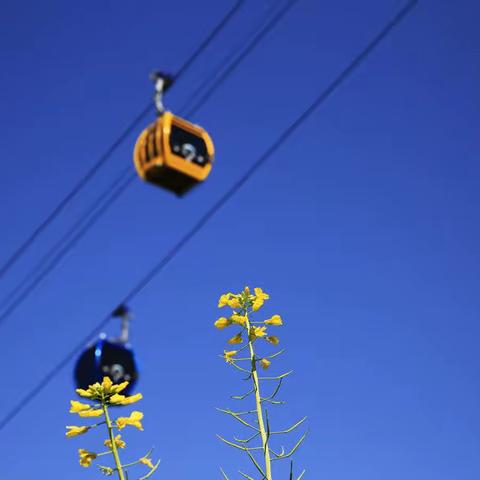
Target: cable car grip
163,81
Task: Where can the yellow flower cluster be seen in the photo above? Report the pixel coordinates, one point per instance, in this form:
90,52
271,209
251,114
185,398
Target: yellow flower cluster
106,392
243,304
244,299
103,395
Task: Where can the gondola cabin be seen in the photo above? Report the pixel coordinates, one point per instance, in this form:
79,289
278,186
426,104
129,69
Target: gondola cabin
106,358
174,154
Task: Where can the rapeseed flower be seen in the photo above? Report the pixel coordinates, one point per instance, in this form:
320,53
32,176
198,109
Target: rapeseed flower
275,320
234,302
222,323
77,407
134,420
257,332
238,319
223,300
146,461
86,457
260,297
73,431
273,340
265,363
228,355
118,442
236,339
117,399
97,412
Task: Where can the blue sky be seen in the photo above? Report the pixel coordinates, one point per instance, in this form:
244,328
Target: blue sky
363,228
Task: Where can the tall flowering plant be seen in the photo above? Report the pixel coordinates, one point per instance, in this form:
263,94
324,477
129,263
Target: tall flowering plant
100,397
247,358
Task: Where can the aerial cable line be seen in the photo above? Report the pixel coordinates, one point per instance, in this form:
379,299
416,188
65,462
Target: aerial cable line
103,197
226,72
263,28
286,134
22,249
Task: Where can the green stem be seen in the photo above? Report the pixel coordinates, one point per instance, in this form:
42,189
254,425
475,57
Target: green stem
258,401
111,435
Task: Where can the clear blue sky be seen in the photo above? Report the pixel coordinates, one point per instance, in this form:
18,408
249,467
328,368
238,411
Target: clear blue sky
363,228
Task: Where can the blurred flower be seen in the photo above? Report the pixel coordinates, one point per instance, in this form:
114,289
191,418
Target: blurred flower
259,293
273,340
117,399
133,420
260,297
106,470
257,332
222,323
86,457
91,413
238,319
73,431
223,300
146,461
98,391
234,302
78,406
236,339
118,442
228,355
265,363
276,320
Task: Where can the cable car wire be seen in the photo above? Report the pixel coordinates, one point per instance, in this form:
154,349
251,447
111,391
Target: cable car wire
22,249
197,227
221,75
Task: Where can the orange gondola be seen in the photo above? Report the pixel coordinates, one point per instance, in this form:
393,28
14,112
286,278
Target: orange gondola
173,153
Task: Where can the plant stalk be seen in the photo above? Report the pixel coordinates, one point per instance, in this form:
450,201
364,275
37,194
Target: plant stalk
111,435
261,423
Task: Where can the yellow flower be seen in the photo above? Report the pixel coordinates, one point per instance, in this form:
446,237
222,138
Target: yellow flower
260,297
257,332
98,391
84,393
236,339
73,431
222,323
133,420
107,384
77,407
228,355
146,461
106,470
257,304
91,413
117,399
273,340
246,291
234,303
132,399
276,320
259,293
119,388
265,363
223,300
86,457
118,442
238,319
